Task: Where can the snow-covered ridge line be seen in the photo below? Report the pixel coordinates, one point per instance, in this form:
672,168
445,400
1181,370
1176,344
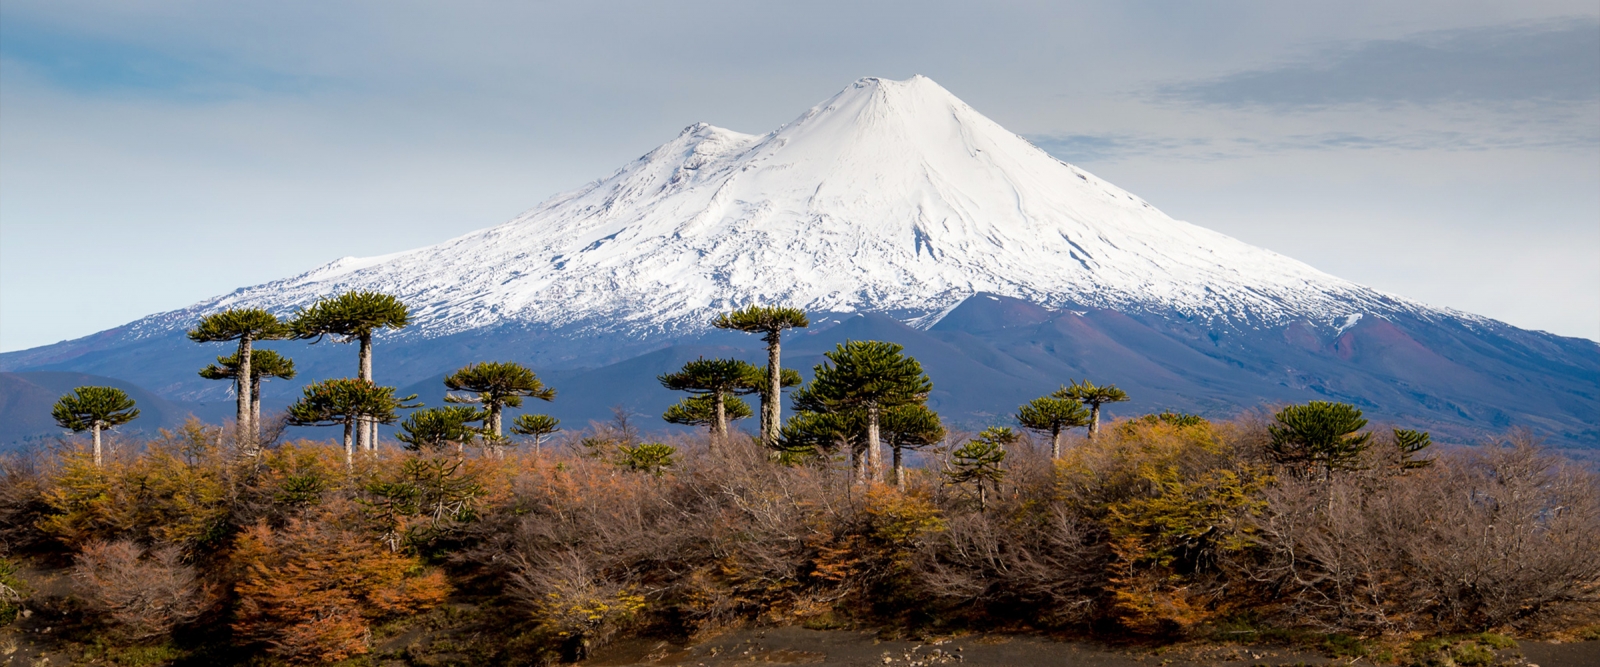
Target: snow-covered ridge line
889,196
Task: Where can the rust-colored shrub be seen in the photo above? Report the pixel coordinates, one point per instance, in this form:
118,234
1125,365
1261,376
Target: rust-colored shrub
311,589
145,592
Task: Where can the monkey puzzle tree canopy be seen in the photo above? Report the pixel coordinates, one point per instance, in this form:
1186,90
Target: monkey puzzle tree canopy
94,409
496,385
771,321
868,375
1094,396
344,401
1053,415
1318,437
978,461
702,411
245,325
350,317
715,379
435,428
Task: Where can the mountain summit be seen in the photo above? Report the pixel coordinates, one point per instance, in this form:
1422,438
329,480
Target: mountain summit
891,196
896,201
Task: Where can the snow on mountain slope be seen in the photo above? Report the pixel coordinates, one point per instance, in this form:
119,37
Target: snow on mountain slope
891,196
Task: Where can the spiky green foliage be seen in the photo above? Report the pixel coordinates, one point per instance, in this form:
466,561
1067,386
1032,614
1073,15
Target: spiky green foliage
343,401
816,434
1093,396
756,380
979,462
264,365
94,409
87,408
770,321
1410,443
1318,438
537,426
650,457
763,319
871,376
1053,415
702,411
496,385
239,323
436,428
350,316
245,325
717,380
910,426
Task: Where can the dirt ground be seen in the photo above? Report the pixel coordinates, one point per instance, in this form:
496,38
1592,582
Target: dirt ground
795,646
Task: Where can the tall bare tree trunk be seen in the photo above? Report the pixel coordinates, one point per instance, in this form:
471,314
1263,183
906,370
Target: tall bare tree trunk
1055,443
494,428
899,470
98,460
874,443
367,433
1094,420
349,445
244,383
255,410
719,427
772,403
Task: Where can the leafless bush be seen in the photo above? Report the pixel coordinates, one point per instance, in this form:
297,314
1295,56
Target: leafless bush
1481,539
146,592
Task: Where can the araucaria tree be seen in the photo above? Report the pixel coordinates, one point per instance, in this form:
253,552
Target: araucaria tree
910,426
246,325
496,385
537,427
1318,438
353,316
717,379
1053,415
871,376
344,402
978,462
702,411
437,428
770,321
94,409
264,365
1093,396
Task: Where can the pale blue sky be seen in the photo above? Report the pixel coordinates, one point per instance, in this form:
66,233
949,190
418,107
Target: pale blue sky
1445,151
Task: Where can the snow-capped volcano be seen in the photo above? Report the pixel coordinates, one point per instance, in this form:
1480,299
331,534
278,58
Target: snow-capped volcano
895,200
891,196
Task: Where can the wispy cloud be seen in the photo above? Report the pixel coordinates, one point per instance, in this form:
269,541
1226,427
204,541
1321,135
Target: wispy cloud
93,65
1557,61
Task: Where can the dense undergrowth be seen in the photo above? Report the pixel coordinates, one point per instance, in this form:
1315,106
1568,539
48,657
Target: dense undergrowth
181,548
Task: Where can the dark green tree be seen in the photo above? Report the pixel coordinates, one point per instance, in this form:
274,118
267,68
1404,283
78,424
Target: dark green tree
94,409
1093,396
246,325
437,428
496,385
717,379
770,321
978,462
1318,438
870,376
264,365
701,410
910,426
537,426
650,457
810,435
1410,443
1053,415
345,401
353,317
